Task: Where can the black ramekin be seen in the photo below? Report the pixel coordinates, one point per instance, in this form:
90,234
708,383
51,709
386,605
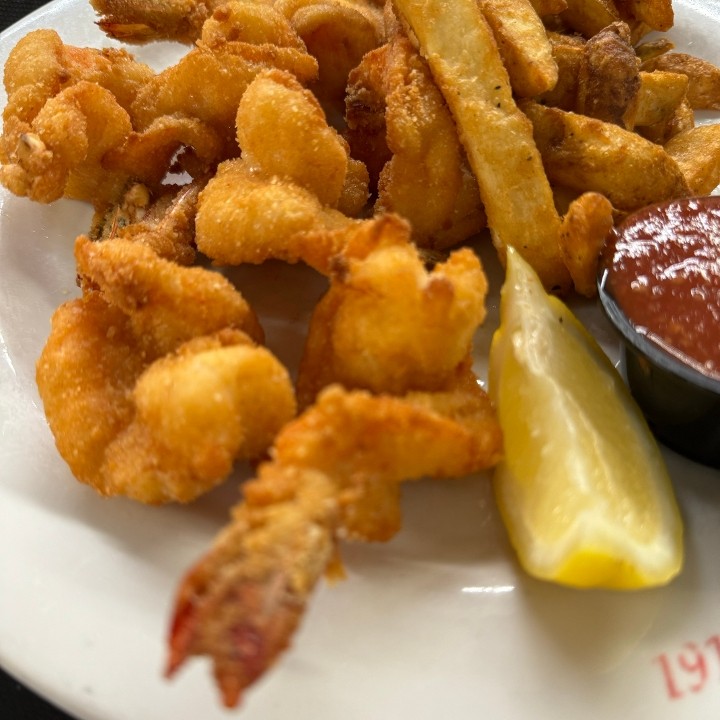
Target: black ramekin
681,404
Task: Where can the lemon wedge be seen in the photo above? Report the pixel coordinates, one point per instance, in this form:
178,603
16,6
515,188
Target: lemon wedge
583,489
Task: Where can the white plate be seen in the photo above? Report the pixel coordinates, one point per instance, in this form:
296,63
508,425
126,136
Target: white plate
437,623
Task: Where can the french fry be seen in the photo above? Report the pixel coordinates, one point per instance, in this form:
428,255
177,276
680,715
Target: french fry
697,152
653,48
463,57
548,7
585,227
523,44
656,14
568,52
659,96
589,17
588,154
704,78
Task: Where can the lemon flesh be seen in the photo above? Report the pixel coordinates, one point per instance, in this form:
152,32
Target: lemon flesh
583,489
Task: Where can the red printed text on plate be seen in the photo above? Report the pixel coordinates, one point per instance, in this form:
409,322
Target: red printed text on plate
688,670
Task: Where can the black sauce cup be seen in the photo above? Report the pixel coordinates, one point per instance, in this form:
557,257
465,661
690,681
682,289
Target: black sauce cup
681,404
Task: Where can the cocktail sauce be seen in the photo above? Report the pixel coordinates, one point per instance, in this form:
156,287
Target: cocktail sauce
663,270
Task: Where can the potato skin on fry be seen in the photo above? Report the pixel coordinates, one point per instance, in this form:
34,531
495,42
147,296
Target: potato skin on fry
588,154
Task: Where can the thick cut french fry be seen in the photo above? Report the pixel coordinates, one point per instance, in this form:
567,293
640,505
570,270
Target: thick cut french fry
656,14
653,48
523,44
681,120
548,7
589,17
463,57
588,154
704,88
568,52
697,152
660,95
585,227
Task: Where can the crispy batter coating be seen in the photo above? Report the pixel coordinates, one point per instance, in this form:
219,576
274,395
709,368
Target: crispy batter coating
60,152
166,304
388,325
68,130
290,195
208,83
336,470
246,217
151,385
282,131
66,108
143,20
338,33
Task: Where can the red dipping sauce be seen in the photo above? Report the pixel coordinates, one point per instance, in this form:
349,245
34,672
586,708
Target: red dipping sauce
664,273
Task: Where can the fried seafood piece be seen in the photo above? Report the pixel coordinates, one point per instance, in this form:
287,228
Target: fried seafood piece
291,194
151,384
165,223
168,144
388,325
208,83
257,23
66,108
427,179
40,65
68,130
335,472
166,304
144,20
338,33
282,132
245,217
60,152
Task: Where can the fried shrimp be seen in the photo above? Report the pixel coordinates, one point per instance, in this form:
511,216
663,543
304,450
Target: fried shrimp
335,472
165,224
166,304
388,325
292,162
152,383
398,121
140,20
66,108
338,33
208,83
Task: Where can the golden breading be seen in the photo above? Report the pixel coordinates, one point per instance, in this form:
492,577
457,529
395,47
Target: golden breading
427,179
282,132
388,325
233,225
150,384
166,304
60,152
208,83
143,20
335,470
338,33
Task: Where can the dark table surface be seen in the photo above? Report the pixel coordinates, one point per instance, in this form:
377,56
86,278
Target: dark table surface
16,701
